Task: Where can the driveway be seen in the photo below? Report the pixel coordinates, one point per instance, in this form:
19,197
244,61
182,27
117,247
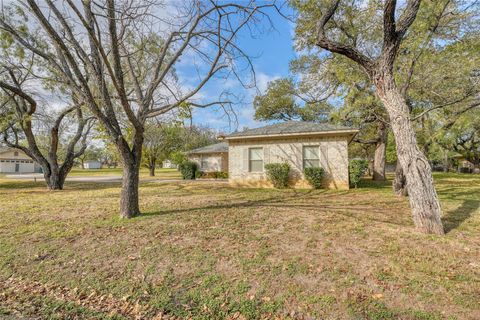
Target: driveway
39,176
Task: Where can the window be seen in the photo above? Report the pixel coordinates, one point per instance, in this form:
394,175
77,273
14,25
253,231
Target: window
204,163
15,154
255,159
310,156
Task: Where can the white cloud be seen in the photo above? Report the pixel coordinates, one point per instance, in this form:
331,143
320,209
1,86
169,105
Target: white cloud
263,79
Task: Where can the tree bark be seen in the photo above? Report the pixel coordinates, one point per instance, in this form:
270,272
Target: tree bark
423,198
129,207
131,158
151,166
400,182
54,182
380,153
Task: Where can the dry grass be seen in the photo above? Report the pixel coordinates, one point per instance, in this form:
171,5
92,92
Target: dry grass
105,172
207,251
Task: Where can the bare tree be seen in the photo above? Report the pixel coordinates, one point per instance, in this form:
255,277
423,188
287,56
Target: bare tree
98,47
423,197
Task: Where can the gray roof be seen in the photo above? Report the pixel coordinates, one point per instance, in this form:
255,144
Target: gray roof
292,127
213,148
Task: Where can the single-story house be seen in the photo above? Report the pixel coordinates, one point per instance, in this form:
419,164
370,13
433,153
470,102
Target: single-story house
16,161
301,144
212,158
168,164
92,164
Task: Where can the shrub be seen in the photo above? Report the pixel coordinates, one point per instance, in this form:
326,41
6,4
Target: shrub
357,168
213,175
222,175
277,173
188,170
199,174
314,176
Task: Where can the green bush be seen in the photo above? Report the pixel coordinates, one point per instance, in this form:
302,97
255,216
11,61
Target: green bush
212,175
188,170
314,176
199,174
221,175
277,173
356,169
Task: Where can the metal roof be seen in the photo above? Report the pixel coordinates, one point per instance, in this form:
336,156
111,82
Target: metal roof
292,128
213,148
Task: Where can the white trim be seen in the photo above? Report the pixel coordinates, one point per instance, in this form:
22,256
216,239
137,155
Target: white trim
300,134
249,160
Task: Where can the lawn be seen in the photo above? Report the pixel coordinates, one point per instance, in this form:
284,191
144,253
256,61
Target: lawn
207,251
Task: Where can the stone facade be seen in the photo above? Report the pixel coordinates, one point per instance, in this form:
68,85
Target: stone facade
333,158
210,162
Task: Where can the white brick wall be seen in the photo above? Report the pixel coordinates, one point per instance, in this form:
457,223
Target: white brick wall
213,161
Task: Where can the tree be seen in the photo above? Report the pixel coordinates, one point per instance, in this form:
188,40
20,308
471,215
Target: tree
171,141
160,141
94,49
378,64
22,118
283,100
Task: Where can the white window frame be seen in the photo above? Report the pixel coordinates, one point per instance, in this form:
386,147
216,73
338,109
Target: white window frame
304,159
250,160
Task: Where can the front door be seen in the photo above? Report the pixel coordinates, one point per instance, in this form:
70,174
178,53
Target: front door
17,167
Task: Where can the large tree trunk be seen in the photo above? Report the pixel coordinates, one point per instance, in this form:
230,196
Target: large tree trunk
54,177
129,205
380,153
400,182
422,195
129,198
54,182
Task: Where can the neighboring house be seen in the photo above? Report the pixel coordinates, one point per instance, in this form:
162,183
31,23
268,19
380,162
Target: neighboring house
212,158
168,164
16,161
92,164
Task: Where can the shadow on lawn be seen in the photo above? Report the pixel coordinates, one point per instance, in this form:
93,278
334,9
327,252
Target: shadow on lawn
346,210
455,218
244,204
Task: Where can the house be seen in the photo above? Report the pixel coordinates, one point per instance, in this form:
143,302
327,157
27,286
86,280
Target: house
92,164
16,161
301,144
168,164
212,158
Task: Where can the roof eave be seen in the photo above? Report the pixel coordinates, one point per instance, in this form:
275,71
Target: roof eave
206,152
351,132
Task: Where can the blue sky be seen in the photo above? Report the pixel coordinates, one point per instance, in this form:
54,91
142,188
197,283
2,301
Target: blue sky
272,52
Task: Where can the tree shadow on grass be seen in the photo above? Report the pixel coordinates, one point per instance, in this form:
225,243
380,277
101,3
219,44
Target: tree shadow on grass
228,205
346,210
455,218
